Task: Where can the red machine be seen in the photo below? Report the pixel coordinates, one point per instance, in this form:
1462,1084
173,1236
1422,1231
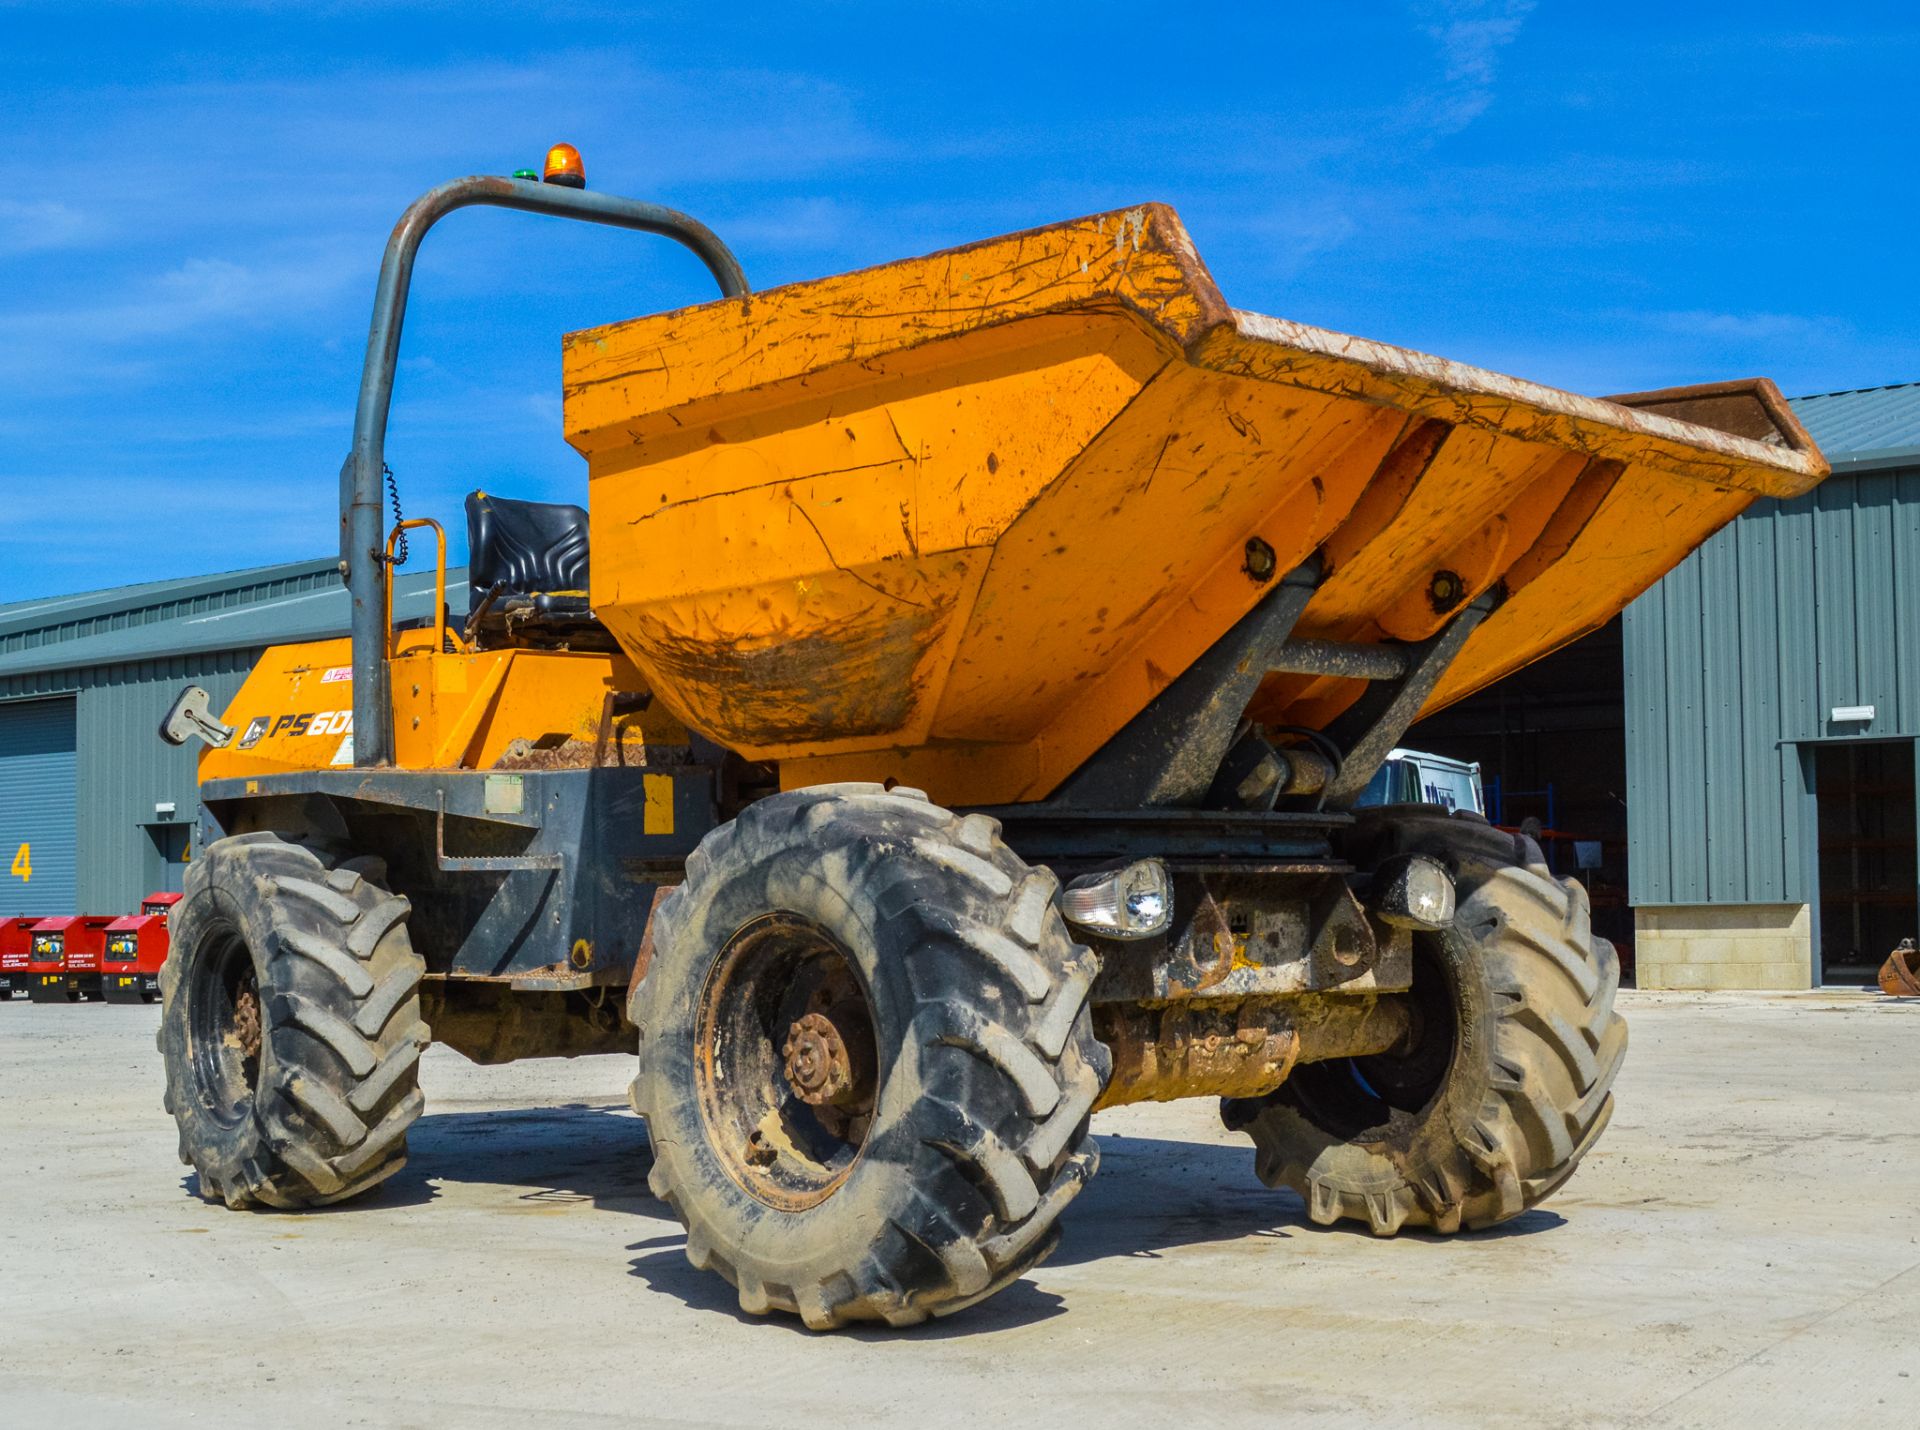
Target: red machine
63,965
47,962
16,938
136,947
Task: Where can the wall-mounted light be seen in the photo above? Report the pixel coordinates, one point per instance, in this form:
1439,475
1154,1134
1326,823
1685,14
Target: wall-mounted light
1852,714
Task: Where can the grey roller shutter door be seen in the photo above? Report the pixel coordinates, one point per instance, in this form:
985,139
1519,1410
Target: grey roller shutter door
37,828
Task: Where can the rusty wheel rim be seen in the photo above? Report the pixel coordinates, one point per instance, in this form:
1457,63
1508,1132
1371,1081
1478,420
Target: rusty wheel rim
785,1071
225,1028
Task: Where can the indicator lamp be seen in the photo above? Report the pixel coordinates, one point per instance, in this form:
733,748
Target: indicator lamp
564,167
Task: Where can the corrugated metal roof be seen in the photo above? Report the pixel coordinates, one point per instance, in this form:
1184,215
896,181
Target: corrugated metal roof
241,610
51,619
1869,427
46,611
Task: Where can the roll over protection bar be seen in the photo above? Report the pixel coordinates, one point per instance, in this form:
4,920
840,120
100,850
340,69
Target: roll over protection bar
361,522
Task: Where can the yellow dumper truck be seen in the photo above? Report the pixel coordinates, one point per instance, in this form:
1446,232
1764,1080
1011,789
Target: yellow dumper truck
946,721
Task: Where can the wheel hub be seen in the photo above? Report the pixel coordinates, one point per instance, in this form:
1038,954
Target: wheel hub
817,1062
246,1023
828,1057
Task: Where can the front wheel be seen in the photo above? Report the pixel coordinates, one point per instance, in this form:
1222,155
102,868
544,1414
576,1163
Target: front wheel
1508,1079
866,1061
291,1024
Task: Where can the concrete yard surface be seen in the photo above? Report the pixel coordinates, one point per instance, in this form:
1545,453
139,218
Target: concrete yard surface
1742,1249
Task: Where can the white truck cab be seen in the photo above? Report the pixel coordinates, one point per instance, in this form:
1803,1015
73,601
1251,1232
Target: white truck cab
1416,777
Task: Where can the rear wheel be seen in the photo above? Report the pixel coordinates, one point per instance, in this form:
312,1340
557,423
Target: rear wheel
866,1062
291,1028
1507,1081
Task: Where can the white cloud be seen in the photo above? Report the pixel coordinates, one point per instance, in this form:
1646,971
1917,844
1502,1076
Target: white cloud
1468,36
797,223
131,330
1757,328
40,225
1291,237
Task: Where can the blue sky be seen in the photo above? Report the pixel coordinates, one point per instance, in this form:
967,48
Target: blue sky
1605,198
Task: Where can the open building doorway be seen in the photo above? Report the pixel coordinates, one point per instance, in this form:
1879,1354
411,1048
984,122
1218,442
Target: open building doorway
1552,748
166,862
1868,876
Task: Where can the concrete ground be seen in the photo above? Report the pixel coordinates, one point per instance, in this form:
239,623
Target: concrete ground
1743,1248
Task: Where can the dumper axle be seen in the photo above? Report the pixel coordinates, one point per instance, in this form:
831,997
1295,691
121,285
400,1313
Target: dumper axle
1163,1052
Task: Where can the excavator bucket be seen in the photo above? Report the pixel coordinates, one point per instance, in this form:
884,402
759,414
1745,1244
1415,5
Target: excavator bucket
1900,974
954,520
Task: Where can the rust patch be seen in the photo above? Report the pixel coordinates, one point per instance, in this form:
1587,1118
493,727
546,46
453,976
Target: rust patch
1238,1048
246,1024
643,960
1194,1049
549,752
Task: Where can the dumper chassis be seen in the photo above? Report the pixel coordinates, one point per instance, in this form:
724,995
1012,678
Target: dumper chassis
872,1024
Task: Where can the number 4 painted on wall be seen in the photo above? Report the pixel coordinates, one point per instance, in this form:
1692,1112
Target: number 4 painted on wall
23,864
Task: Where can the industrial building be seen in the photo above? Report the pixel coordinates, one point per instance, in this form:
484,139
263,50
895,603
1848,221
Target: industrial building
1729,766
95,810
1772,688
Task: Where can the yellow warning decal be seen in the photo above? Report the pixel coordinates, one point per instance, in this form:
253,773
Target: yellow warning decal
658,817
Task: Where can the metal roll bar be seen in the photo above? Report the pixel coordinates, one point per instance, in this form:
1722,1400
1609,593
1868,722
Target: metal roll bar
361,517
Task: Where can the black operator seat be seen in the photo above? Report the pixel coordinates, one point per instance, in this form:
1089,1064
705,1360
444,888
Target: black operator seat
527,573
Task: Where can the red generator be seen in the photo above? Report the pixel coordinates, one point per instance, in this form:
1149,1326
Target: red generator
16,940
136,947
47,962
63,965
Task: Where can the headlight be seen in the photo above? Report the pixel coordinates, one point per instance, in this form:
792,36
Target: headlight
1414,892
1134,902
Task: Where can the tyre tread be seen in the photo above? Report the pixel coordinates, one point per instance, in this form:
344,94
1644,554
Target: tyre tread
1557,1047
339,987
998,979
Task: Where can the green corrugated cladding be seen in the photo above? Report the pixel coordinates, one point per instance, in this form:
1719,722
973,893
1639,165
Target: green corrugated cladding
123,768
124,654
1744,649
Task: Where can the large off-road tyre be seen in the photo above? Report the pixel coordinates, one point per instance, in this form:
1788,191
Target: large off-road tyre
1509,1079
290,1024
937,964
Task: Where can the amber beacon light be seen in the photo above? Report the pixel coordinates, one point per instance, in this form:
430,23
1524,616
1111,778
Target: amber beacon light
564,167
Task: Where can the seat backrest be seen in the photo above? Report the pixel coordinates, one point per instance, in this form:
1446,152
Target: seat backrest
536,548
